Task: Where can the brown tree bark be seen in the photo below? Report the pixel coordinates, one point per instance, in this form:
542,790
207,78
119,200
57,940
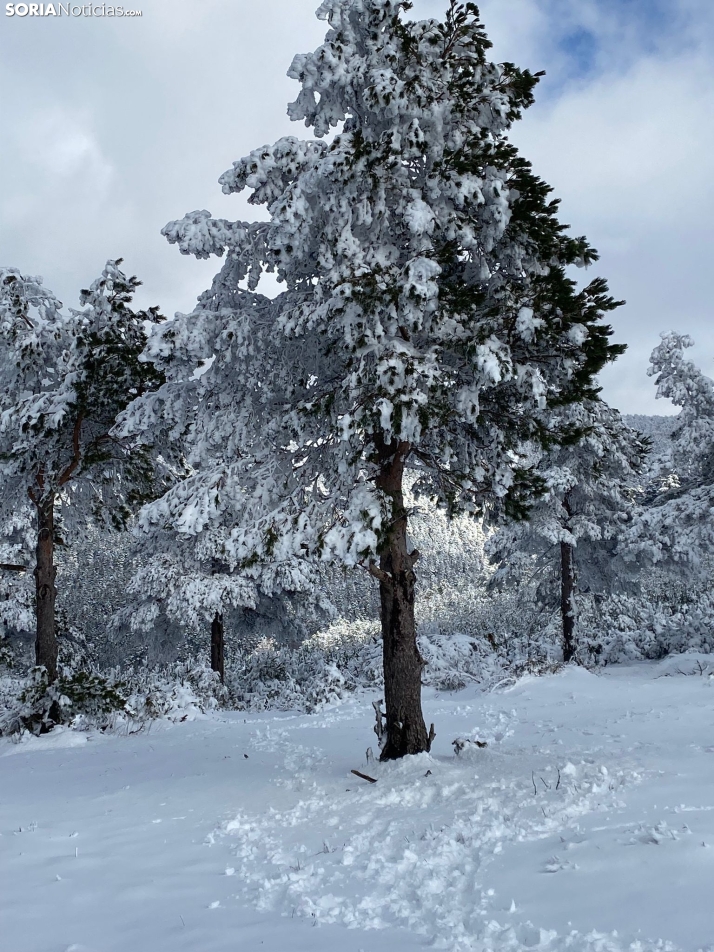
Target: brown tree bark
218,646
567,593
45,572
405,727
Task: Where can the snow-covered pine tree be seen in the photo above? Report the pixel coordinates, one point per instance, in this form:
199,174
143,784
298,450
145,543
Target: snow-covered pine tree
426,319
182,578
573,535
64,379
676,525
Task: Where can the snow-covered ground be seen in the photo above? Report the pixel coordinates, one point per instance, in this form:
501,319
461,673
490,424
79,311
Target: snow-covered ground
587,823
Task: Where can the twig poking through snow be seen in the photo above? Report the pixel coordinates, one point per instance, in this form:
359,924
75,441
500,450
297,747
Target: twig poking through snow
363,776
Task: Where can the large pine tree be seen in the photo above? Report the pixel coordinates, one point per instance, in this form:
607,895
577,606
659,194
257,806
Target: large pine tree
426,319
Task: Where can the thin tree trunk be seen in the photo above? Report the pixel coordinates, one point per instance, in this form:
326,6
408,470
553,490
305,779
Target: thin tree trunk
45,572
218,646
405,727
567,592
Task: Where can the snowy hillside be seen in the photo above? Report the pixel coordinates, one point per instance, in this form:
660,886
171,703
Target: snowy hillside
586,824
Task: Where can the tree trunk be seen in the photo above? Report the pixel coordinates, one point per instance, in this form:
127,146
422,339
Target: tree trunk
405,728
217,646
45,572
567,592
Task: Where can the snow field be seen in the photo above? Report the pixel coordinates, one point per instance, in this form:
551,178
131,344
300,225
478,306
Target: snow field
414,849
586,824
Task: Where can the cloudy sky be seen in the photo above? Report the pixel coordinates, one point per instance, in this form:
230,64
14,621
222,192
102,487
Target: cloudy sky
111,128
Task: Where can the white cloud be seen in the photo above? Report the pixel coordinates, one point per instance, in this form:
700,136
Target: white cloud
60,146
630,154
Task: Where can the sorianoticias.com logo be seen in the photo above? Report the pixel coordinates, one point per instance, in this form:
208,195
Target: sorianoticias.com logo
67,10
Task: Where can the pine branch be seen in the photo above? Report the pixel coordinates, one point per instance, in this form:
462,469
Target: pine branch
378,573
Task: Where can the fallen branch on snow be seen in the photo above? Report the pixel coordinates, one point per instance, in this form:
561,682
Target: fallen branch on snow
363,776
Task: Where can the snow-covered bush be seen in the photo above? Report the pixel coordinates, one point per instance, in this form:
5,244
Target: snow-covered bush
17,588
87,699
454,661
7,655
181,691
37,705
346,657
672,616
324,669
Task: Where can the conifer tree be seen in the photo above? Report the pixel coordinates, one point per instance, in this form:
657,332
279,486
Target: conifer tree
574,535
65,378
425,319
182,578
676,525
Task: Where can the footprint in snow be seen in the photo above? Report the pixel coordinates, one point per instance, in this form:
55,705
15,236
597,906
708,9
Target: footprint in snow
576,840
555,864
652,836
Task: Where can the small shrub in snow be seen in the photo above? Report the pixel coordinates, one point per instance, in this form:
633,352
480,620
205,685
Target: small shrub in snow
453,661
344,658
89,700
675,616
688,664
7,655
179,692
324,669
33,704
